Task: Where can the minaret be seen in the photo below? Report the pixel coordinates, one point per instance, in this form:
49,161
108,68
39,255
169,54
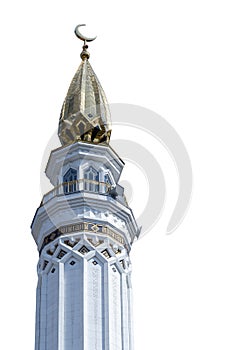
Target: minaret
84,230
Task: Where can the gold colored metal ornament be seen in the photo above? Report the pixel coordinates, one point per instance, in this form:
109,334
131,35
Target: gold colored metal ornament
84,54
81,36
95,228
85,114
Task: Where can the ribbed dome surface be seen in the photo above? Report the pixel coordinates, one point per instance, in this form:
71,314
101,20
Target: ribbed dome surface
85,112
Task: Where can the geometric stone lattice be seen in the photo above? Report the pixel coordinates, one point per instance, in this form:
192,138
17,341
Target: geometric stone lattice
106,254
71,243
61,254
45,264
84,250
95,244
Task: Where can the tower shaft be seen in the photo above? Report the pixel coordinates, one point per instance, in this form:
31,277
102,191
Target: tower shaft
84,295
84,230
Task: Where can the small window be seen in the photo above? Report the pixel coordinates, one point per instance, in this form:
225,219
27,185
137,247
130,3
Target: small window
107,179
70,181
91,180
107,182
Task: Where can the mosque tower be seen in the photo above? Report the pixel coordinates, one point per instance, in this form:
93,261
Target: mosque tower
84,230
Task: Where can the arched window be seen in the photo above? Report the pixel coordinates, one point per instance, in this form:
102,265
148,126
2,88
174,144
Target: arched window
107,182
107,179
69,180
91,180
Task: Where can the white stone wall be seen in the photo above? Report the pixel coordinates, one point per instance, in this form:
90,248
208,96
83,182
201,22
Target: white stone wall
73,304
83,298
115,308
84,290
94,303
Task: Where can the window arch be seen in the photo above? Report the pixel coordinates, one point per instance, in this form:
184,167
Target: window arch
69,180
92,177
107,181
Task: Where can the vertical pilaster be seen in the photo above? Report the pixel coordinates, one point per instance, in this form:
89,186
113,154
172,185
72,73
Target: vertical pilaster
84,297
84,306
130,312
106,306
124,313
41,328
61,300
38,306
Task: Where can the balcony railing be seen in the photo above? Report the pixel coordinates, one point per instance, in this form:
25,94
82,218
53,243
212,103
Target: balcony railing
67,188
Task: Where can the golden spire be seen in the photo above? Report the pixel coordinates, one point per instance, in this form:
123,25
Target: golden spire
85,112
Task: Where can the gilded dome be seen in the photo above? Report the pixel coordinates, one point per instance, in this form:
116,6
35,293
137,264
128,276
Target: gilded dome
85,113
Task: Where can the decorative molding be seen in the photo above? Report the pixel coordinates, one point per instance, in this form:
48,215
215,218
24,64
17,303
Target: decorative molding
83,227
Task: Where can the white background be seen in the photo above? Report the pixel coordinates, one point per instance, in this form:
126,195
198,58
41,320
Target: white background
174,57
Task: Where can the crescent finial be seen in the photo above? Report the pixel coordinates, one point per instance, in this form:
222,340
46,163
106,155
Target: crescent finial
81,36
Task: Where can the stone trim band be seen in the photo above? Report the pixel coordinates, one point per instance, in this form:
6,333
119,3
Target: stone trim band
83,227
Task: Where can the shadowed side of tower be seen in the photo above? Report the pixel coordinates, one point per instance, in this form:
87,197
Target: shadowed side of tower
84,230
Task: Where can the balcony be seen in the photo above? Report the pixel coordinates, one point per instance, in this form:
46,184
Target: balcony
81,185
